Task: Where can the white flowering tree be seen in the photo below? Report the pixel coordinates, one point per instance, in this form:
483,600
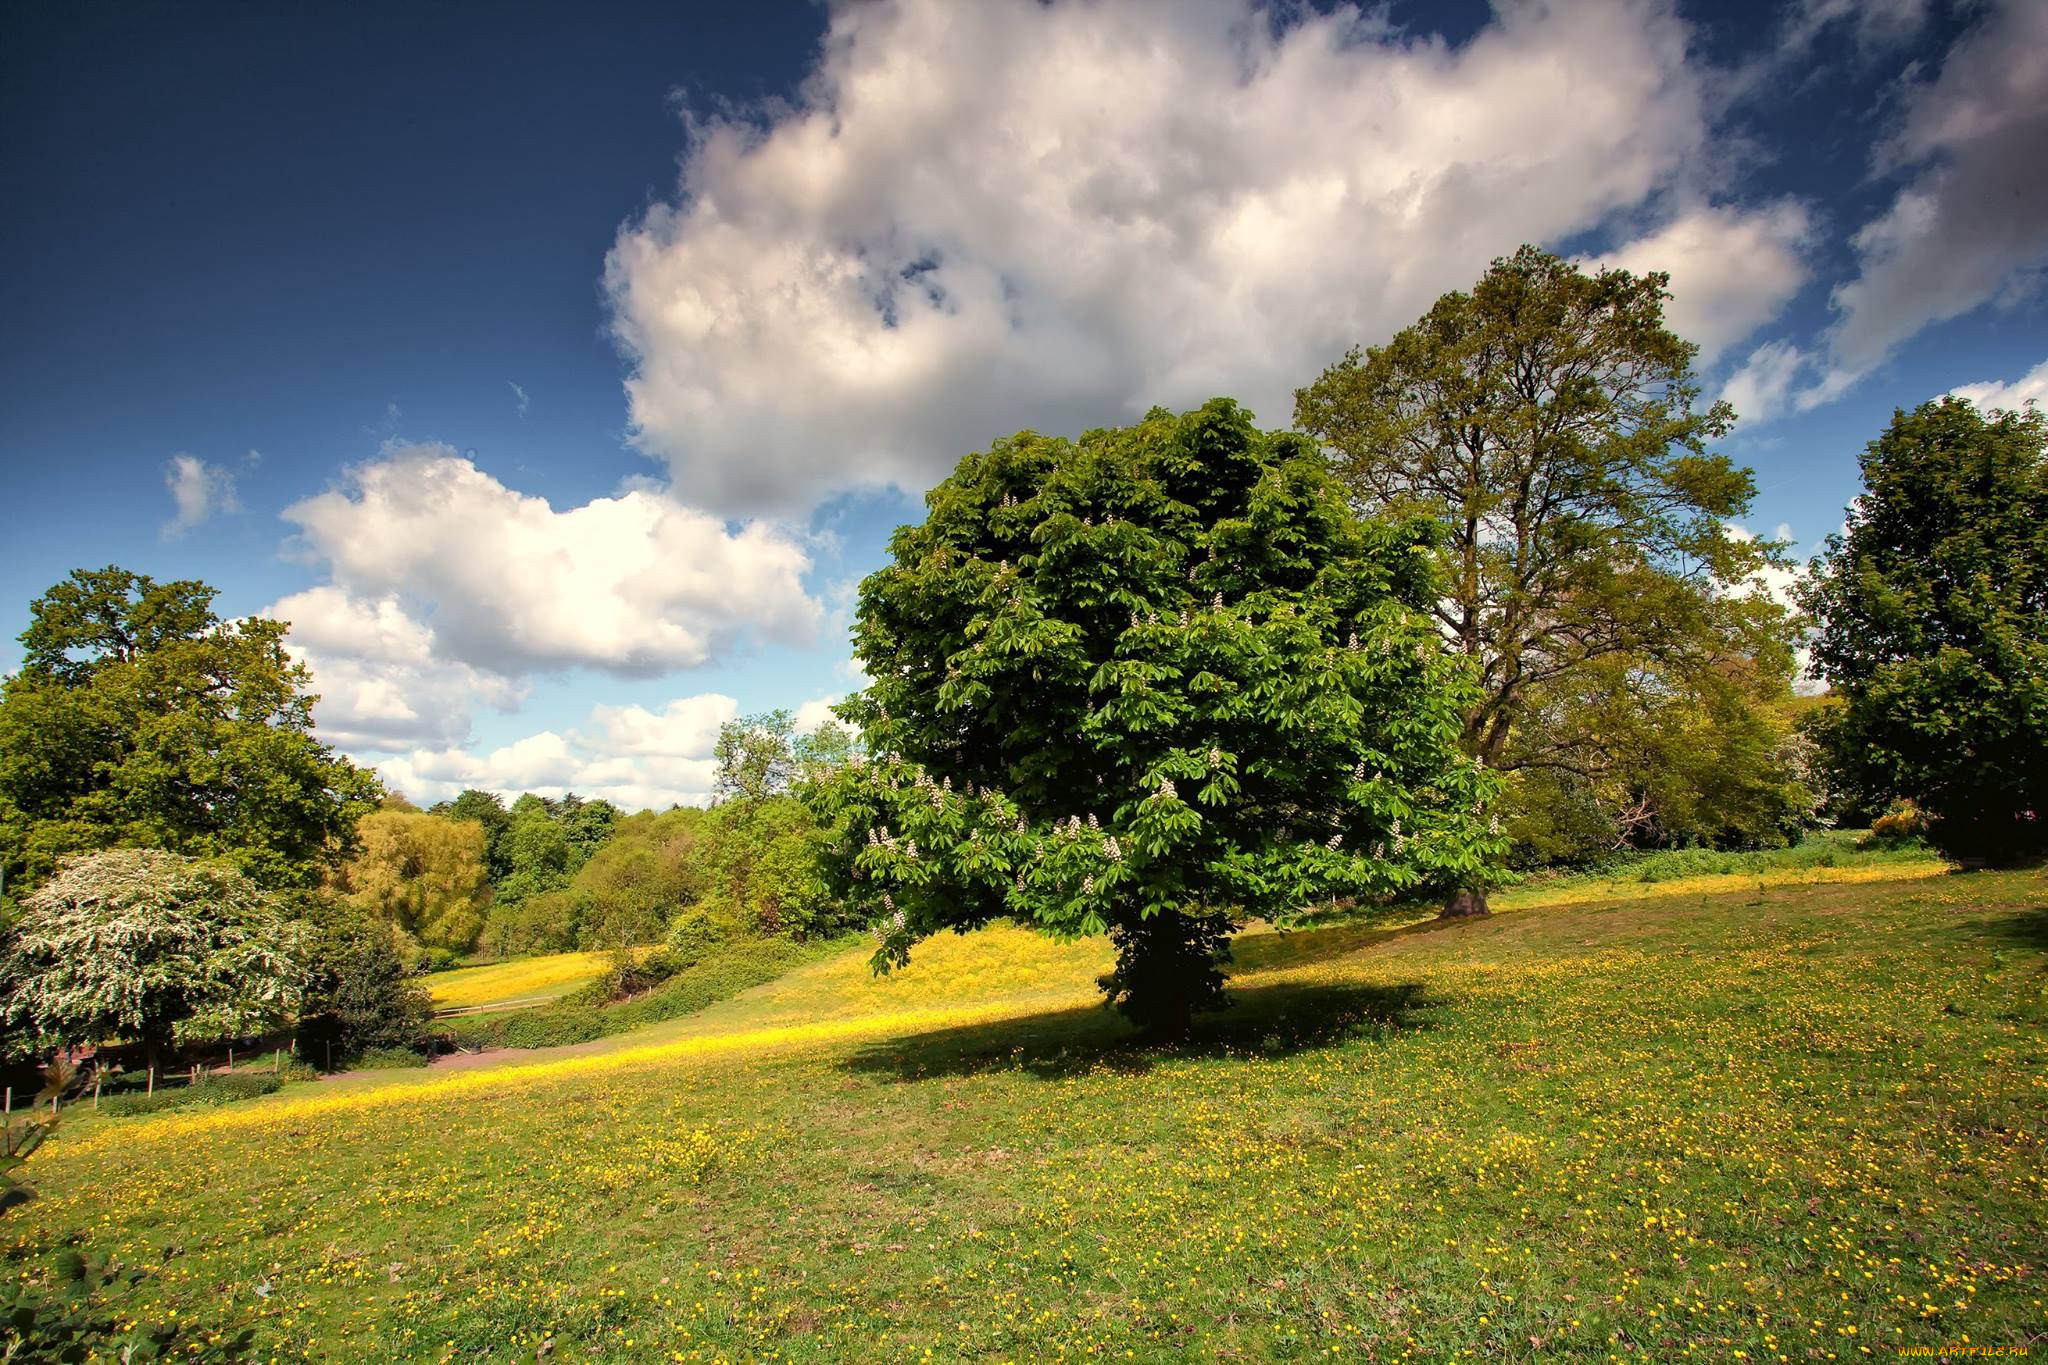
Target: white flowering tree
150,947
1150,684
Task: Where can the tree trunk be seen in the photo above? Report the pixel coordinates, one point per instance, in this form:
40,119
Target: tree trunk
1465,904
1169,968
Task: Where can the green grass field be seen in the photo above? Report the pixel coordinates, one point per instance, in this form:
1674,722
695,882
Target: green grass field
1794,1122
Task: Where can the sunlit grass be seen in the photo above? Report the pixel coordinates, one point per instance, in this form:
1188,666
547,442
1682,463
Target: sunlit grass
527,978
1792,1123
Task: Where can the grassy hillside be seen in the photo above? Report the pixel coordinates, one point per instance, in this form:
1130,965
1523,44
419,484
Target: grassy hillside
528,979
1797,1122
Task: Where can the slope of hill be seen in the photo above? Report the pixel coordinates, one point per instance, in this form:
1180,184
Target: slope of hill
1793,1122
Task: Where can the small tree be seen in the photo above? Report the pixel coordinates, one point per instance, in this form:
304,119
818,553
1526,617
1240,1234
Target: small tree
358,994
764,755
1149,684
1933,627
153,947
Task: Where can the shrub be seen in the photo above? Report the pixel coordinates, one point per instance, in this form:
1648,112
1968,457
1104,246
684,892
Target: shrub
1902,824
556,1026
718,975
209,1090
358,994
388,1058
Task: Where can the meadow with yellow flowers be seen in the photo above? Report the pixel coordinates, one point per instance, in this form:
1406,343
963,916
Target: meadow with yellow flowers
1784,1123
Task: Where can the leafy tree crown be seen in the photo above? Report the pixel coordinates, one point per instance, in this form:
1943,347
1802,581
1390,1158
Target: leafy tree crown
146,945
1160,669
1932,624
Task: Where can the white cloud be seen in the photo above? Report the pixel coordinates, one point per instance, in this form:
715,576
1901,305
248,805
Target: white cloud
198,491
637,584
686,728
448,591
520,400
975,217
1773,581
2031,387
1970,226
1875,24
1761,387
816,712
1732,269
381,685
636,758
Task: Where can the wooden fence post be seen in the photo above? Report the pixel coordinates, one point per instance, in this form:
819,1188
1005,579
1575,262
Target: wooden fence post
96,1087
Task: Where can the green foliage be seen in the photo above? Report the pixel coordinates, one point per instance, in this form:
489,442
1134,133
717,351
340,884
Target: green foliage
423,875
88,1314
763,756
545,841
359,996
140,719
487,810
1902,824
718,975
145,945
551,1026
745,866
1933,625
387,1059
1158,673
208,1090
1721,762
1550,422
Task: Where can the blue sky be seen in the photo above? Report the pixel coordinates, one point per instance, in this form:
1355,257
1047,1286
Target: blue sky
557,370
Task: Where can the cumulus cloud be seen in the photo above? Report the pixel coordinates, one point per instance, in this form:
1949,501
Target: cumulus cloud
1732,269
636,584
382,685
448,591
1970,225
977,217
633,757
1774,581
199,491
1761,387
814,713
2032,387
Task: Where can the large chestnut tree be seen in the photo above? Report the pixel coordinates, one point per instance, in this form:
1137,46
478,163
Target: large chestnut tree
1150,683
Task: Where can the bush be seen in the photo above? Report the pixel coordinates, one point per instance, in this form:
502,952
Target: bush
717,976
1902,824
359,997
209,1090
549,1026
556,1026
387,1059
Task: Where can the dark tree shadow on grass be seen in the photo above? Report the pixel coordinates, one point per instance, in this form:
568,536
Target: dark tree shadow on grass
2028,929
1263,1021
